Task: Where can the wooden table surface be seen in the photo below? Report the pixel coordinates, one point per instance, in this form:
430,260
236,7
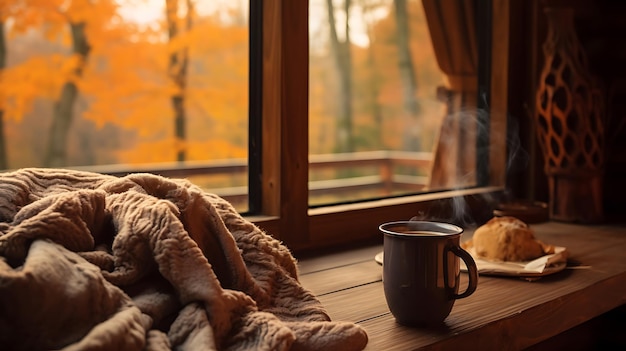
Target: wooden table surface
503,314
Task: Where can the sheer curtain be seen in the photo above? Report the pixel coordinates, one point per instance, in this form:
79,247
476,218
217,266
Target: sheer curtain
452,28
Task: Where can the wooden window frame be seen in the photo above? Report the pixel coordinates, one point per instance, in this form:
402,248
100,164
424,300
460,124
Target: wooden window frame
285,212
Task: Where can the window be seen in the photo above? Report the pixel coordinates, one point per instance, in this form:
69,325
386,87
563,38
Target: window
374,112
120,86
250,99
286,144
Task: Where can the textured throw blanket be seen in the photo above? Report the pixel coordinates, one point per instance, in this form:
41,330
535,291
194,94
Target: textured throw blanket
142,262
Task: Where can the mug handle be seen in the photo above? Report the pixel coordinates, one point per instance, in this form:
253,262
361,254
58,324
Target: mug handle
472,271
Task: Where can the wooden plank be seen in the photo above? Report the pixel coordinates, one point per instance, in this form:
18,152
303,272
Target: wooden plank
341,224
338,259
357,304
271,109
361,303
294,131
499,98
285,138
334,280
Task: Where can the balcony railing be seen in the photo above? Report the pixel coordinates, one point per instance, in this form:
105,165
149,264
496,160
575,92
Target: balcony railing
375,173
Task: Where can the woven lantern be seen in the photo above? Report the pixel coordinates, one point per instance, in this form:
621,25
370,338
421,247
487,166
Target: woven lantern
570,124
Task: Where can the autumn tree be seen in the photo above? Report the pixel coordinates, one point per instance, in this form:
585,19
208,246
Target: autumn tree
403,130
178,66
374,78
58,19
343,62
123,108
3,53
15,17
407,71
135,88
63,108
7,10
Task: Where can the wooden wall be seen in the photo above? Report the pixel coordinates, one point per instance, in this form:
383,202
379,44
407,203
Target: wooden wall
601,26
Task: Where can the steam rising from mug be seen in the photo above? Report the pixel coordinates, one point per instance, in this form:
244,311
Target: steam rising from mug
456,163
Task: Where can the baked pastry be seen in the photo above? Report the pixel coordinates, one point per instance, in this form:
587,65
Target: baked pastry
507,239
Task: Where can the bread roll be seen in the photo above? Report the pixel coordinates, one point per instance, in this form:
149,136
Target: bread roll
507,239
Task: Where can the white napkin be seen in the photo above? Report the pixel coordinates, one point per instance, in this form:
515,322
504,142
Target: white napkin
536,266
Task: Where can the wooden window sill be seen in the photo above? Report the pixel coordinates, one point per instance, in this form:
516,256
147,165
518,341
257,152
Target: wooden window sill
503,313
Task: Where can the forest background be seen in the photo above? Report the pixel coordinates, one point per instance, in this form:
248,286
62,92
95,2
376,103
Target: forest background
97,82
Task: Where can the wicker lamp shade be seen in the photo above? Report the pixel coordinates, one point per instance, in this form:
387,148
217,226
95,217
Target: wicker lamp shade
570,124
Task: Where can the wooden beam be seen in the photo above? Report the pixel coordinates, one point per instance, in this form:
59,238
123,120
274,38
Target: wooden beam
285,117
499,91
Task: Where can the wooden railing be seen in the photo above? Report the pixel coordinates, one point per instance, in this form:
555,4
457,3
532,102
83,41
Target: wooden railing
381,169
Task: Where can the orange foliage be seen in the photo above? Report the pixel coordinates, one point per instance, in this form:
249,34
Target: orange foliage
164,150
125,82
23,83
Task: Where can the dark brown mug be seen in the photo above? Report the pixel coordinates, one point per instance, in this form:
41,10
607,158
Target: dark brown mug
421,270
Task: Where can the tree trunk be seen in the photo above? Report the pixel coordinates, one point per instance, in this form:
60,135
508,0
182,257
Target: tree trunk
407,74
373,83
63,107
4,163
341,53
178,63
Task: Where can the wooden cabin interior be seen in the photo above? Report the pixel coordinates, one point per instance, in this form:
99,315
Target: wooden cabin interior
566,142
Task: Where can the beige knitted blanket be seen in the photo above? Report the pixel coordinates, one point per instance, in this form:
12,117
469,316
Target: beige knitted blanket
142,262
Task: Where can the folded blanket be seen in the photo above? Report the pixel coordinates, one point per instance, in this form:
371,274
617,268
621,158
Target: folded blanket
143,262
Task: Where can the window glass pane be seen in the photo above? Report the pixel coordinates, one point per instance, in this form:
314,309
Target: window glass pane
128,85
379,97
